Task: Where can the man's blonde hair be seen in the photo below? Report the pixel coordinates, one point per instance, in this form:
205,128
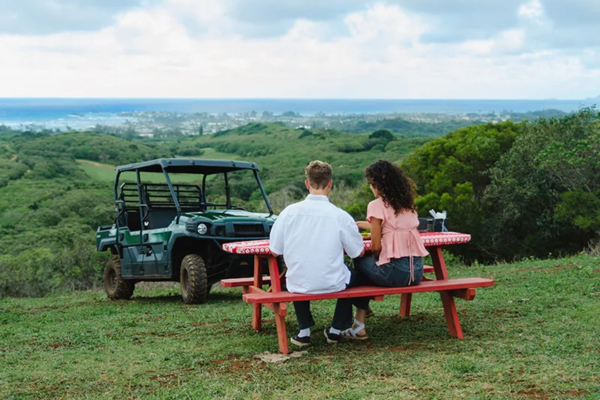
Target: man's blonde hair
318,174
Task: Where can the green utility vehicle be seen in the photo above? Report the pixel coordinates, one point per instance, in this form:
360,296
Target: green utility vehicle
174,231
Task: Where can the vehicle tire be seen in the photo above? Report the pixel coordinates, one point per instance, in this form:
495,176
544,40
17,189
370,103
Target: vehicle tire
194,285
115,286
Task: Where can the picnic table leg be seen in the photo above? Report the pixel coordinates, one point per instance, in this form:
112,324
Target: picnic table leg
405,304
257,308
439,265
441,273
281,330
274,273
451,315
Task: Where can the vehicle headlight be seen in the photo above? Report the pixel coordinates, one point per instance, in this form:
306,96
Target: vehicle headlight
202,229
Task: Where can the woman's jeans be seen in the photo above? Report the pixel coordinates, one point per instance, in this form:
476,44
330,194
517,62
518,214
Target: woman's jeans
396,273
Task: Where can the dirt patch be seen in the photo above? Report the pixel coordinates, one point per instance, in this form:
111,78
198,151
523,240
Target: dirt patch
575,392
543,395
166,380
37,310
535,394
95,164
242,368
278,358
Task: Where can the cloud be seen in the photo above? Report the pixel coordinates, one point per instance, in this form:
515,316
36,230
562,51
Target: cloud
532,10
385,49
34,17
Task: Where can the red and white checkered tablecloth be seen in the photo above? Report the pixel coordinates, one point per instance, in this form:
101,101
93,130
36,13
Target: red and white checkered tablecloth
430,239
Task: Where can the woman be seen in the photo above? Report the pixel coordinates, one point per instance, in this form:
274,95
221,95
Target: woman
397,248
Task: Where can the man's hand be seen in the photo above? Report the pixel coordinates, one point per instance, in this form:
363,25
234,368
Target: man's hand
274,255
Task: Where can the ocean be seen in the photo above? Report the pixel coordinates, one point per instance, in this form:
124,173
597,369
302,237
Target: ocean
84,113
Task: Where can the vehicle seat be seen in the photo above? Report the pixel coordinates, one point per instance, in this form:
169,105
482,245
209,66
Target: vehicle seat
160,217
132,220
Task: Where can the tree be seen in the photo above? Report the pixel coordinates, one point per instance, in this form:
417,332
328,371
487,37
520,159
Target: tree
544,194
383,134
451,173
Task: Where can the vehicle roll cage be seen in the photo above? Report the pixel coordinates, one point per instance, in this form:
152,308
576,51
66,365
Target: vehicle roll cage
178,165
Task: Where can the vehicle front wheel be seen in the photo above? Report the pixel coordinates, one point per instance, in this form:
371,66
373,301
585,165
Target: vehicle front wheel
115,286
194,285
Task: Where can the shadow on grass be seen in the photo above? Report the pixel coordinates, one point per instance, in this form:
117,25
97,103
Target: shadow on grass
218,297
176,298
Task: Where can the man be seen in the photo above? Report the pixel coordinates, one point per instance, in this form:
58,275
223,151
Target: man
312,236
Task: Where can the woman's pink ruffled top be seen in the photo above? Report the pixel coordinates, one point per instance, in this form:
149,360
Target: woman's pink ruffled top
399,234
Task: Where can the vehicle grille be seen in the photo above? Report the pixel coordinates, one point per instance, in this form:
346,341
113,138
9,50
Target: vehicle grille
248,228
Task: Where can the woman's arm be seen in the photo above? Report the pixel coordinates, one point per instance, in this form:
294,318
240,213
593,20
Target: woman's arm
375,236
363,225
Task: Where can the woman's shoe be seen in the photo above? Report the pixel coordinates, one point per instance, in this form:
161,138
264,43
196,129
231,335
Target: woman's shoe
352,333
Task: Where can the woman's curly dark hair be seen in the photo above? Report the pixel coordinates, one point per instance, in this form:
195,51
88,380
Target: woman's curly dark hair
395,189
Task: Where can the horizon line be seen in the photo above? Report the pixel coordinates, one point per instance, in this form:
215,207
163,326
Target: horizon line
299,98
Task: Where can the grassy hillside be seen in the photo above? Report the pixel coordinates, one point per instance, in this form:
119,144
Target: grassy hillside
106,173
534,335
50,207
55,189
283,152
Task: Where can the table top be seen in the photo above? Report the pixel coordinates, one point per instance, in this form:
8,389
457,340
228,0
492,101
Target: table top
430,239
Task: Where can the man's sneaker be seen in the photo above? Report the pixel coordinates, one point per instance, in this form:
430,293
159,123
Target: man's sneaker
301,341
332,338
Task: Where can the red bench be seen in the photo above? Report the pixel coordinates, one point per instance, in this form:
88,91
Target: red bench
275,299
456,287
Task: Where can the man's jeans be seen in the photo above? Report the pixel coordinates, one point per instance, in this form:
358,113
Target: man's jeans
342,317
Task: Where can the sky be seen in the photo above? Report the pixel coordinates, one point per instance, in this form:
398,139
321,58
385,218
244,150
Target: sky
397,49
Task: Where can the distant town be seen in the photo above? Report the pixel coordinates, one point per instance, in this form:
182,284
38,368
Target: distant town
151,124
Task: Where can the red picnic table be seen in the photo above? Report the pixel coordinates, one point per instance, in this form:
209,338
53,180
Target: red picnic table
275,299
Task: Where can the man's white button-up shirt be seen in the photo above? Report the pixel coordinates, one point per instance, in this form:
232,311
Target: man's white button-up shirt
312,236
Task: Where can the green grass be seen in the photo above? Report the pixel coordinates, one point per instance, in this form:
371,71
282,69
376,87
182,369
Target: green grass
534,335
217,155
98,171
106,173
